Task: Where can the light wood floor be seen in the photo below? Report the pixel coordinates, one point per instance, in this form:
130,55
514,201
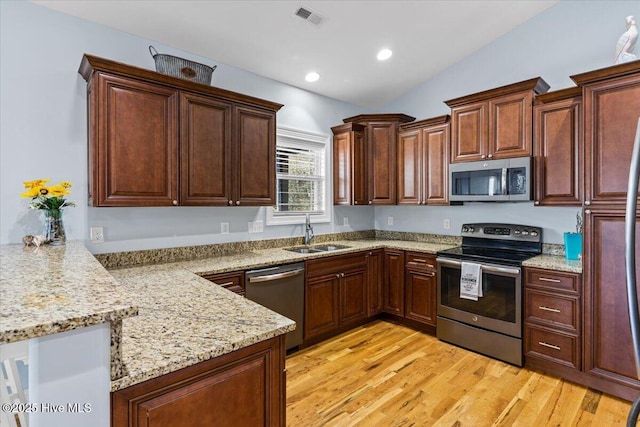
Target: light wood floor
383,374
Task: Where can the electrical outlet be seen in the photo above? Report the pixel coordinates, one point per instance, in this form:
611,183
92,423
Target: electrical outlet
96,234
256,226
345,220
224,228
446,224
389,220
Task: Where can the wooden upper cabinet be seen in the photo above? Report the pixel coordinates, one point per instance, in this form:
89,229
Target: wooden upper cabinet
557,148
157,140
134,150
423,162
349,165
255,148
206,164
380,143
494,124
611,98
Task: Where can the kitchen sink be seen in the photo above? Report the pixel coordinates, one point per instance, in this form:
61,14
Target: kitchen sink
316,249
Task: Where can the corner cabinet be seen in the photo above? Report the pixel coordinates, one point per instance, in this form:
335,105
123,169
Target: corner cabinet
423,162
157,140
494,124
558,147
365,162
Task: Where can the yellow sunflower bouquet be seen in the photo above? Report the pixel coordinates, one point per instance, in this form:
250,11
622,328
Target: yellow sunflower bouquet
47,197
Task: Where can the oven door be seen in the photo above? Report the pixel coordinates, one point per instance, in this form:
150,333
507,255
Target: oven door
500,307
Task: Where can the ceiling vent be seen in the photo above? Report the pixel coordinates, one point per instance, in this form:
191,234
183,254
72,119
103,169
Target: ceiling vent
309,16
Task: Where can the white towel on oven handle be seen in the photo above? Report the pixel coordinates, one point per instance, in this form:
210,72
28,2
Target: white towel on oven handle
471,281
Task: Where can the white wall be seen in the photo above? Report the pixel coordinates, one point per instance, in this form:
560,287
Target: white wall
569,38
43,121
43,133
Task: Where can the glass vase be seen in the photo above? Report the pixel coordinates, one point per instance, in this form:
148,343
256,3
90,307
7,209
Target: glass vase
53,232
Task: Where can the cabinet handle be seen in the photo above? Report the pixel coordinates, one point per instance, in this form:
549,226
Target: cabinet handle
226,284
355,202
341,274
537,202
587,202
490,156
588,211
544,279
175,203
370,202
230,202
544,344
554,310
238,203
338,275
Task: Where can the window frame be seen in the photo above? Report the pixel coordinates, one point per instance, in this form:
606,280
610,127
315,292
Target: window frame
316,140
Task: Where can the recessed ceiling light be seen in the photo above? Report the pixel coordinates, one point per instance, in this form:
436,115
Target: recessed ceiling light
384,54
312,76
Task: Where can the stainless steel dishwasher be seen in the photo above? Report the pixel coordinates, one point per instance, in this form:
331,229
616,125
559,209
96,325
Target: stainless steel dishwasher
280,289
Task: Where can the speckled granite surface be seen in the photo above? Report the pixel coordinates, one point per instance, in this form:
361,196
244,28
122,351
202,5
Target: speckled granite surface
554,262
185,319
55,289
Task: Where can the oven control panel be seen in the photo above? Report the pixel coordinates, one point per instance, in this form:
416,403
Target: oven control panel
527,233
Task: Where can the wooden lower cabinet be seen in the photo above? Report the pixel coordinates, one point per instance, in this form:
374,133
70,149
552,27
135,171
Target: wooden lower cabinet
394,282
420,288
335,293
243,388
375,280
233,281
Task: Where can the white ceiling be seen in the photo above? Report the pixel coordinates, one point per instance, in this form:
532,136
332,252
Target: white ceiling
265,37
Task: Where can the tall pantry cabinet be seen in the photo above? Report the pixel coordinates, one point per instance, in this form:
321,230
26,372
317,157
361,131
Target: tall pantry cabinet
611,99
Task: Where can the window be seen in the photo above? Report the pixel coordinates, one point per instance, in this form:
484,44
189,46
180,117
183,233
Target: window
301,187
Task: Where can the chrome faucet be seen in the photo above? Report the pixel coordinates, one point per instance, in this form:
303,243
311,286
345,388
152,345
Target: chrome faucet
308,231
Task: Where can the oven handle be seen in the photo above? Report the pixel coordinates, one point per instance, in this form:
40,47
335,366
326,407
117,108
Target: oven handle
484,267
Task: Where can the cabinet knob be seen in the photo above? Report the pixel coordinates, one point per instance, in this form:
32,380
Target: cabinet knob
490,156
341,274
588,211
587,202
175,203
338,275
537,202
238,203
370,202
483,157
230,202
355,202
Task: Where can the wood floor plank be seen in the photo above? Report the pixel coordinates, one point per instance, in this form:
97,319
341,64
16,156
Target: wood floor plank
384,374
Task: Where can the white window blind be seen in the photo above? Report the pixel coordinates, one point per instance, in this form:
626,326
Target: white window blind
301,187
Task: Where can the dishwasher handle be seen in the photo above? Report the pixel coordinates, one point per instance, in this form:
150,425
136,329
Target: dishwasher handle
277,276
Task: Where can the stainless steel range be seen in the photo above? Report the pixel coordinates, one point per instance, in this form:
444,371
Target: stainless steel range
480,288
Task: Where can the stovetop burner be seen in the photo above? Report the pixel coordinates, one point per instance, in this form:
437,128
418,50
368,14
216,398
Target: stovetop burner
508,244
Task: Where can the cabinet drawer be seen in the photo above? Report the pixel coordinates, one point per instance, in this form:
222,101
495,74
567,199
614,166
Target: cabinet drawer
553,280
335,264
416,260
552,309
558,347
232,281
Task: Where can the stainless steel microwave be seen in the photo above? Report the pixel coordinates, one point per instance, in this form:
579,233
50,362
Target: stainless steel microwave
506,180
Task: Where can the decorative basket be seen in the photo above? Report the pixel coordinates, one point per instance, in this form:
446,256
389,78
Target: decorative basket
183,68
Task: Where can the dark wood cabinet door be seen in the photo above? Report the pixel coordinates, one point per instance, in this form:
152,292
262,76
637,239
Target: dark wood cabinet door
243,388
255,151
360,187
321,310
557,135
469,132
510,119
342,169
608,344
233,281
612,108
133,146
421,296
409,167
435,165
353,295
394,282
205,151
381,139
375,280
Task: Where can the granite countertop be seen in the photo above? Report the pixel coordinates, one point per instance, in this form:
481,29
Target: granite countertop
54,289
554,262
185,319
